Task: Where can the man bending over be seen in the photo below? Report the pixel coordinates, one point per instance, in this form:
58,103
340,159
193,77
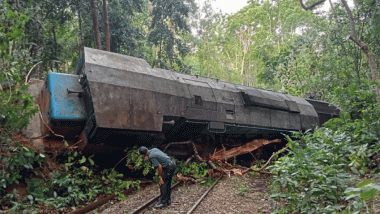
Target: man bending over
166,168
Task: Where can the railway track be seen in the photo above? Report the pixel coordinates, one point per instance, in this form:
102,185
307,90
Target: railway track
148,206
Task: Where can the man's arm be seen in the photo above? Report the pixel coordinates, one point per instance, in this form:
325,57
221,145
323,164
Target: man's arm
160,173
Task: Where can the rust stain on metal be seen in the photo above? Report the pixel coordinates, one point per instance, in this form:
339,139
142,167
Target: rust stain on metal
135,109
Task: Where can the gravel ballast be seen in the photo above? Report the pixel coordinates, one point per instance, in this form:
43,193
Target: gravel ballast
235,194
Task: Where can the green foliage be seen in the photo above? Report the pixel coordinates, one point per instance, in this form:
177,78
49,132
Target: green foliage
79,182
19,165
11,30
364,191
138,161
207,182
320,165
17,107
197,170
242,190
358,100
257,166
168,27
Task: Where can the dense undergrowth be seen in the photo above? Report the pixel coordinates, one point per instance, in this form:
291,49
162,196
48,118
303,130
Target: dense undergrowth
77,182
333,168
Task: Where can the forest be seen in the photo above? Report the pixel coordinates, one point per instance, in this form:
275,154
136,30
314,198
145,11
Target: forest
289,46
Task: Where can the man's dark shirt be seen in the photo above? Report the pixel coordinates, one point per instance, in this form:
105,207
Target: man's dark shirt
157,157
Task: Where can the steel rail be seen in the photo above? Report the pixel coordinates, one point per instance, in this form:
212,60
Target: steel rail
151,201
99,203
203,196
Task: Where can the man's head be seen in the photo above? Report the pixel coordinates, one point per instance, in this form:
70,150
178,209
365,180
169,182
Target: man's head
144,151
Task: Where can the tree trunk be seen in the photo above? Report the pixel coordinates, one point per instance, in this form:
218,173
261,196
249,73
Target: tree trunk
80,26
365,49
95,24
106,25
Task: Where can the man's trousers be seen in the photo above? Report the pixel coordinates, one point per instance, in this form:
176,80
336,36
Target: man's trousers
166,188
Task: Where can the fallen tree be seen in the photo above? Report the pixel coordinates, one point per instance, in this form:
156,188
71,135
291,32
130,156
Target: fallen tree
225,155
218,161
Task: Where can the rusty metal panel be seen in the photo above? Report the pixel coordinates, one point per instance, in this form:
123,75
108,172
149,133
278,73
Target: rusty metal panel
323,107
125,108
294,121
279,119
223,96
226,104
293,107
260,116
134,80
229,111
203,114
309,117
202,95
116,61
170,105
274,99
242,115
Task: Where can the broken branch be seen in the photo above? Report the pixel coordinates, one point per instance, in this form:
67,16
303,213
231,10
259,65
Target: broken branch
267,163
311,6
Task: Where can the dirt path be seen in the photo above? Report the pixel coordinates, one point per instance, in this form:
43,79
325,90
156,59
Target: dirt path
235,194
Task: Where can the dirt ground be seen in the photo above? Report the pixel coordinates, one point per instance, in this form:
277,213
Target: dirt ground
235,194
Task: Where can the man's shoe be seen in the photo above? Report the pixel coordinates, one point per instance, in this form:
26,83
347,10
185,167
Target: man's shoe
160,206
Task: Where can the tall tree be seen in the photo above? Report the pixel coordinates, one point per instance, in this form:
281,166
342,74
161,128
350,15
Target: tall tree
106,25
169,25
96,25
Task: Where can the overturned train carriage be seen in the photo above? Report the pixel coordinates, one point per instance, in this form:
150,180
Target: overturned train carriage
118,100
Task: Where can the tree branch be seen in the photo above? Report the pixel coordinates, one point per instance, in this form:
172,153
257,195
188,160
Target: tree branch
311,6
364,47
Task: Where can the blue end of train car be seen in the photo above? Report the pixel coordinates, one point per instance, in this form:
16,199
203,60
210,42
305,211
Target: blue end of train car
65,109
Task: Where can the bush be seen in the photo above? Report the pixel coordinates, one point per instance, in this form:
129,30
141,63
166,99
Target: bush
322,165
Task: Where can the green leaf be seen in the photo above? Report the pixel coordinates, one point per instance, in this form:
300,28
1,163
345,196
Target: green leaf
91,161
18,144
81,161
243,189
66,144
364,183
369,194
